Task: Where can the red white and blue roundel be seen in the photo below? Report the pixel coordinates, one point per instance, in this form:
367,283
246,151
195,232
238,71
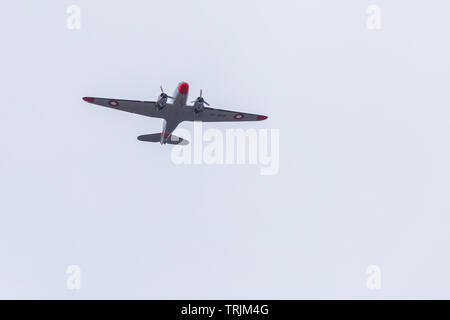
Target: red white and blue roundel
238,116
113,103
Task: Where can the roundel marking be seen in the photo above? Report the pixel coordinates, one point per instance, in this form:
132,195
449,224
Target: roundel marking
238,116
113,103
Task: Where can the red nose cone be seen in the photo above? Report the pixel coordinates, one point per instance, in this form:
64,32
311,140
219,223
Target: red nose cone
261,117
183,88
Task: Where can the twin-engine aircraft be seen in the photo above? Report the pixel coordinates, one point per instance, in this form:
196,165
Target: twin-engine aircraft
174,113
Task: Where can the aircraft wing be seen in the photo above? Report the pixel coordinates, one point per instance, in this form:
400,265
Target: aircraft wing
145,108
219,115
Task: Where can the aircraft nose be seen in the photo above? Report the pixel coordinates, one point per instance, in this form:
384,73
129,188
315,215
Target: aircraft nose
183,88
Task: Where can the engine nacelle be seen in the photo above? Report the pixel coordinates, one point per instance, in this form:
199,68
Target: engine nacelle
199,104
199,107
161,102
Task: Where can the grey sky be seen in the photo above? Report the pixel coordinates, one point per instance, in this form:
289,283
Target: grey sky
364,125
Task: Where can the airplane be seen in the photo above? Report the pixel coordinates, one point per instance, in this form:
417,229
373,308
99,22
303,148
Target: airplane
174,113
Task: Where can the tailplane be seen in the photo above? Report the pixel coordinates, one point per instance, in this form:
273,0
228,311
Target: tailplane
156,137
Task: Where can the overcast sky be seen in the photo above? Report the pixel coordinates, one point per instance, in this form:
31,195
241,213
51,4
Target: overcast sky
363,179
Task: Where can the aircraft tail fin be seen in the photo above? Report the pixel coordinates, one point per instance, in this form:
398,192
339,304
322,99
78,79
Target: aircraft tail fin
156,137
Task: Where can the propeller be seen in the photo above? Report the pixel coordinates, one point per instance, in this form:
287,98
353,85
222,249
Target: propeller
200,99
163,94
